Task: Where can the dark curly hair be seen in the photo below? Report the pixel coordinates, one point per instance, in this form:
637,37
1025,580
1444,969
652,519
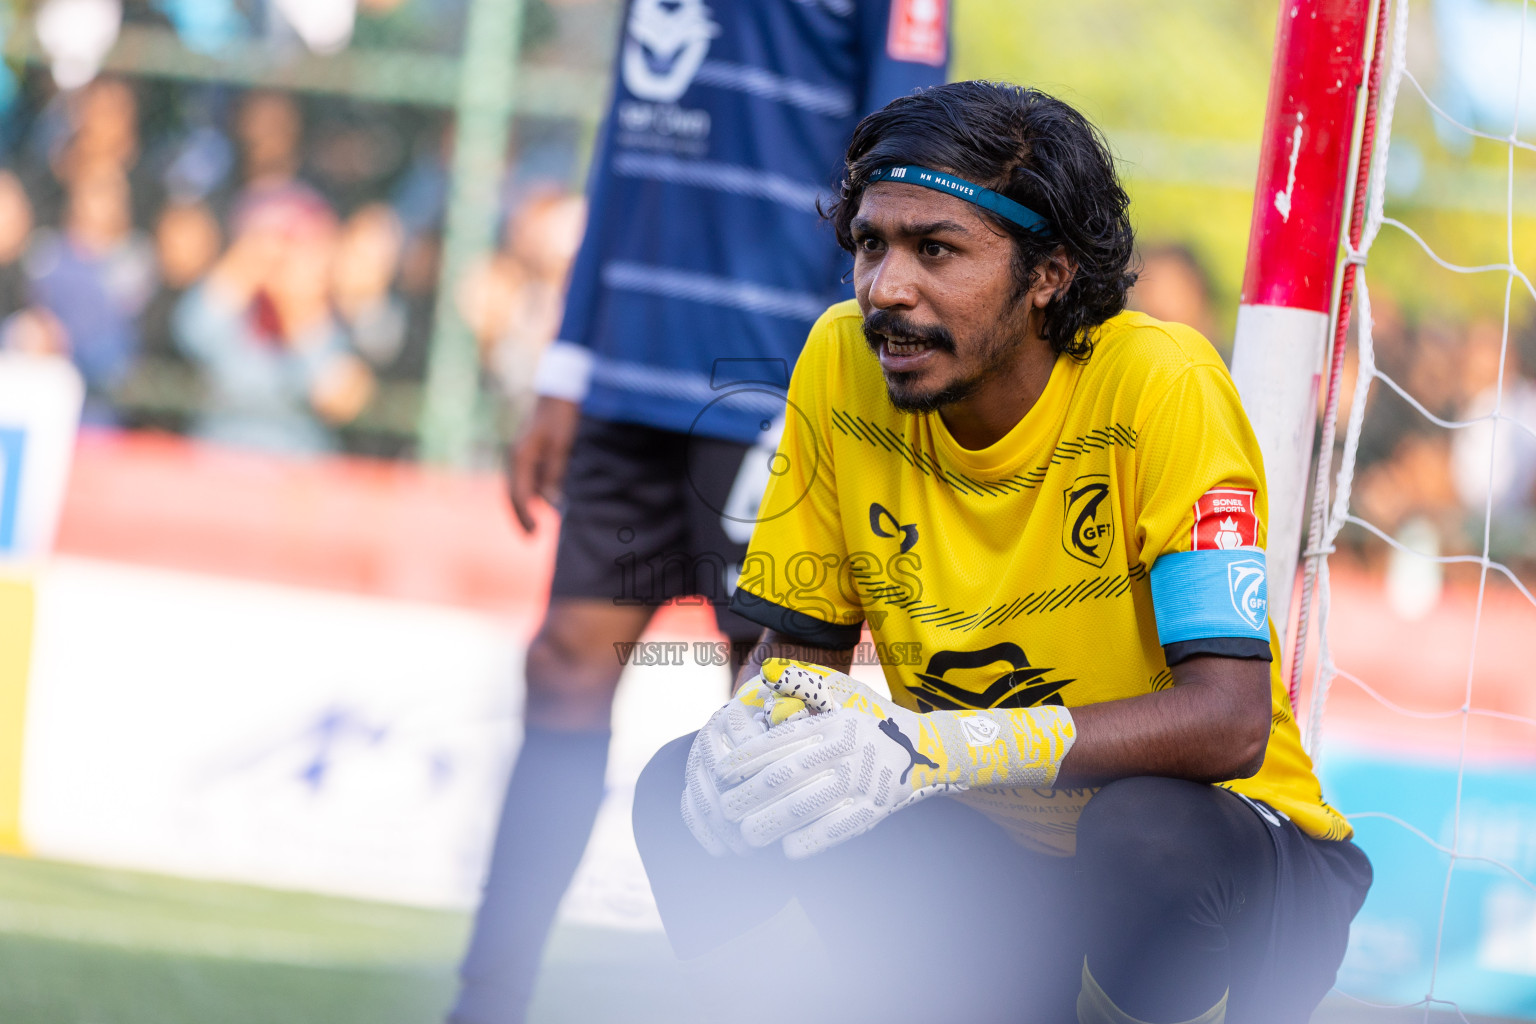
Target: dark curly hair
1032,148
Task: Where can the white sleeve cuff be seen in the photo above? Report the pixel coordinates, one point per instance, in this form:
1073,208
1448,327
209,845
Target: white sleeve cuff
565,371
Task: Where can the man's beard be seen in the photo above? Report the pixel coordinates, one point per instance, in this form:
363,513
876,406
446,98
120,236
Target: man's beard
901,387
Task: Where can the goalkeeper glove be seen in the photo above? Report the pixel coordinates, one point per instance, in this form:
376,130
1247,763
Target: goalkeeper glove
837,758
742,718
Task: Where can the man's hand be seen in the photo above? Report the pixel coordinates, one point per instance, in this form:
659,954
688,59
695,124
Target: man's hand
836,758
536,460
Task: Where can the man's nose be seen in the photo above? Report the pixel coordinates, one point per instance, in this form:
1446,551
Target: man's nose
894,285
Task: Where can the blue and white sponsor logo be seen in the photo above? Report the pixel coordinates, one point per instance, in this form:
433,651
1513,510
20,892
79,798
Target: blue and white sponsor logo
1249,595
665,47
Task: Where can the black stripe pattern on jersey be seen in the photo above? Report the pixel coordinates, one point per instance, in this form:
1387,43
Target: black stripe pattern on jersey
887,440
898,595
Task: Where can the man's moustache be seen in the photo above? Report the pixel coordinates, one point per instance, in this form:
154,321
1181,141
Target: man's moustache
885,326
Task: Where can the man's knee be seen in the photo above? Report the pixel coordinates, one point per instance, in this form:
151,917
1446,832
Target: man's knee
659,792
571,675
1137,832
568,646
704,900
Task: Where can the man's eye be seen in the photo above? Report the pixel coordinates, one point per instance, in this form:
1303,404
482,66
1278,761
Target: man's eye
933,249
869,244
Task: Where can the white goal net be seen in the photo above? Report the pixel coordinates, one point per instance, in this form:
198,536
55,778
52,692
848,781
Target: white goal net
1421,660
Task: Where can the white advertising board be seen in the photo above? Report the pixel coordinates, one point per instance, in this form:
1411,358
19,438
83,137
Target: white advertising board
207,727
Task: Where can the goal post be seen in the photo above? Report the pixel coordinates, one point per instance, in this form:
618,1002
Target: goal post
1286,317
1431,758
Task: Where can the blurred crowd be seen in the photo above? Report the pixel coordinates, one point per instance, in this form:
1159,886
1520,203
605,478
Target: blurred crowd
260,267
1432,488
1426,486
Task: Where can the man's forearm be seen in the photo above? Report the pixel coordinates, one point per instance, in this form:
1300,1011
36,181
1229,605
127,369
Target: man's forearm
1211,726
774,644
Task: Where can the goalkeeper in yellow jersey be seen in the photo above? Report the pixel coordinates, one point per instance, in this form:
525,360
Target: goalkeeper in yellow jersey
1050,513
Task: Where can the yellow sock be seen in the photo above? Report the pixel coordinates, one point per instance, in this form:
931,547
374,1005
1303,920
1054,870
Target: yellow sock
1095,1007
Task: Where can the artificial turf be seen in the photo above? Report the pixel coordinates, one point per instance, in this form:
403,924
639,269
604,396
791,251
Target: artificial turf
87,945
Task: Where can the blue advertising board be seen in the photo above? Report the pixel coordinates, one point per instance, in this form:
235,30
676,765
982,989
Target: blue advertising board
12,448
1486,962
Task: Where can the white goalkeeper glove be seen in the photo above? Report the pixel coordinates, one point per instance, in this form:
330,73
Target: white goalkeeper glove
837,758
742,718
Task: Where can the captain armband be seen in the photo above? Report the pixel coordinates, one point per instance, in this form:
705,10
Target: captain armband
1212,602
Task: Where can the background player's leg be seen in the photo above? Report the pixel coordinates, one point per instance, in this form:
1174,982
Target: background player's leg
718,531
623,514
551,802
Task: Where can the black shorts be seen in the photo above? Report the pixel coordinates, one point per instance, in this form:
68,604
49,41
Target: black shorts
1177,887
643,520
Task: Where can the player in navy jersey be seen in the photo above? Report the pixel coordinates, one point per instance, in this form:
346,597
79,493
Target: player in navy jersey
703,266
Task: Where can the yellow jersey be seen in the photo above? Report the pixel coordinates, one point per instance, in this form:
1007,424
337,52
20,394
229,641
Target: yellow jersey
1025,573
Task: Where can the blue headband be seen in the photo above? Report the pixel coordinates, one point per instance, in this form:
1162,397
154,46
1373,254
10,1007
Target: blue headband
985,198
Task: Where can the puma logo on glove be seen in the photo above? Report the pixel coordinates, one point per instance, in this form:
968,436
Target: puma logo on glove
891,729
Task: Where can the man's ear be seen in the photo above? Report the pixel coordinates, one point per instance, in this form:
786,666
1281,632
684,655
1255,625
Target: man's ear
1052,277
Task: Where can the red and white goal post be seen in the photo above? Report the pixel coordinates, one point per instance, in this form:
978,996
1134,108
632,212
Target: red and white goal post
1319,134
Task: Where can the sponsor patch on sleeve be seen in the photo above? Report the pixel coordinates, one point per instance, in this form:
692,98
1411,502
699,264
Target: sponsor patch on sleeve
1224,519
917,31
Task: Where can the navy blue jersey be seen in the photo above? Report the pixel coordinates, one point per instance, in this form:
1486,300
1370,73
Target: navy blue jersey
729,119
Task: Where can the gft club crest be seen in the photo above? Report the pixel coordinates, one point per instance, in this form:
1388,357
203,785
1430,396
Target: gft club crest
1088,521
999,676
664,46
1250,596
